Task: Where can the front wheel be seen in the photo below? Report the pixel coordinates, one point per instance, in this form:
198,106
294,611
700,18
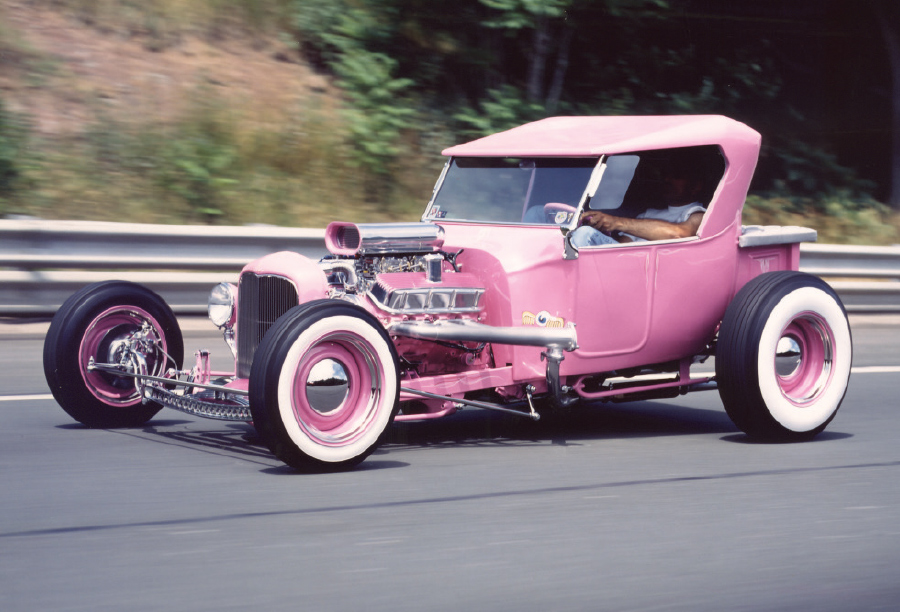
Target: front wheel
783,356
324,386
113,322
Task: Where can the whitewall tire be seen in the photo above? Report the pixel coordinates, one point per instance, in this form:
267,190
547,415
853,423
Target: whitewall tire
783,356
324,386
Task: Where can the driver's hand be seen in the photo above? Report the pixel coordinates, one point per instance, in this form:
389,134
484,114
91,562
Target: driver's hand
600,221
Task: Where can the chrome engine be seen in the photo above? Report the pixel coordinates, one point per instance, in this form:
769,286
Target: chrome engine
410,284
400,267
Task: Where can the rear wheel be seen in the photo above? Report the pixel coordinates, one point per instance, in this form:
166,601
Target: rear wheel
783,356
113,322
324,386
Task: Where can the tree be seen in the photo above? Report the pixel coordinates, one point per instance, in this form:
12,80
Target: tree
546,20
490,64
888,18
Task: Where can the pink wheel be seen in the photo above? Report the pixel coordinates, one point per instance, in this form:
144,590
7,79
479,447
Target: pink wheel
113,322
783,356
324,386
804,356
105,341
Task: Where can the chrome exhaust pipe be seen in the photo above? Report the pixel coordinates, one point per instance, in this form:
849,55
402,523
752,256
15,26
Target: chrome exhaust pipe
561,338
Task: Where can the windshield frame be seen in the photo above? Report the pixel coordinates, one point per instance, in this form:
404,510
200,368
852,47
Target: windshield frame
589,190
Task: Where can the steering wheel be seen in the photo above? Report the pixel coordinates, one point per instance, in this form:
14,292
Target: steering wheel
559,213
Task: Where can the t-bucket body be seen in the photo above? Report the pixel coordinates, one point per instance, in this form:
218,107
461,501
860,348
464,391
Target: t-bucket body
649,303
488,300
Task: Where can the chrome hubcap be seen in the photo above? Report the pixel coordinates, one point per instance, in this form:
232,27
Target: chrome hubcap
787,356
327,386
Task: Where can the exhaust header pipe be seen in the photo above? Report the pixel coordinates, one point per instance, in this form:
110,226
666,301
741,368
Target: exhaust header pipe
563,338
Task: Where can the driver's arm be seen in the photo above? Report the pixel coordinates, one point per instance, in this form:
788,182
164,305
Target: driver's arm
648,229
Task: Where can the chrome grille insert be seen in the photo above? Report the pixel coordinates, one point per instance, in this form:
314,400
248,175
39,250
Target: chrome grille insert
261,300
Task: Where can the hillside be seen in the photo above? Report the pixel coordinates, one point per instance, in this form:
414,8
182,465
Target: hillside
232,128
65,69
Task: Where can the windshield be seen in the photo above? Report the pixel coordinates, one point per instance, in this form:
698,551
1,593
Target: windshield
512,190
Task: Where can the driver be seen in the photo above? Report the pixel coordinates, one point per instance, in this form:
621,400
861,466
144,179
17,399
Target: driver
679,219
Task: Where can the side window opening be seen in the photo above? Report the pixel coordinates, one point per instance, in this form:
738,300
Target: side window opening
635,182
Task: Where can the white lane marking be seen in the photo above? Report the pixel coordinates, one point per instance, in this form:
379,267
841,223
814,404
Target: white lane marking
875,370
25,398
856,370
853,370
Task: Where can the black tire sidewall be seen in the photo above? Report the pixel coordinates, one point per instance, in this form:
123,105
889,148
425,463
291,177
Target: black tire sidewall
63,341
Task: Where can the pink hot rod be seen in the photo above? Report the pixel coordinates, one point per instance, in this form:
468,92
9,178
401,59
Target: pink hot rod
572,259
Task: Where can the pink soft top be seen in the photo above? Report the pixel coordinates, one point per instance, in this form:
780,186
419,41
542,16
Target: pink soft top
594,136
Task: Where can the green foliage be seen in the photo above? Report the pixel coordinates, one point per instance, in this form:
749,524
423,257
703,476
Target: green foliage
839,218
522,14
216,164
193,164
196,169
810,171
13,134
196,160
346,36
504,108
316,22
377,116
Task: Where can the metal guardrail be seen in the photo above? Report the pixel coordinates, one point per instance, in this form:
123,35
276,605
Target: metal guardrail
43,262
866,277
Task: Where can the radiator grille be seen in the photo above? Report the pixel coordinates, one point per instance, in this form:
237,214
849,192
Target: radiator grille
261,300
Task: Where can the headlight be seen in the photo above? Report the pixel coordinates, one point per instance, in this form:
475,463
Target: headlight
221,304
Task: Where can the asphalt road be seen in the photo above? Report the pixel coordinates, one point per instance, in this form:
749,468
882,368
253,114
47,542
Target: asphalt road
647,506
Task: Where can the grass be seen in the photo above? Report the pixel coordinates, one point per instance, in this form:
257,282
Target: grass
164,23
837,218
217,164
